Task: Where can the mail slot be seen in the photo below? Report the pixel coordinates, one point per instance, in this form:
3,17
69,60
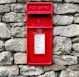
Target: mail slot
39,33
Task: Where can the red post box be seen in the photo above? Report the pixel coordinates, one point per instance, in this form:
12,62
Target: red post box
39,33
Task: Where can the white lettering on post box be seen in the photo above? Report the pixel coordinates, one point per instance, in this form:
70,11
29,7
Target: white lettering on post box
39,43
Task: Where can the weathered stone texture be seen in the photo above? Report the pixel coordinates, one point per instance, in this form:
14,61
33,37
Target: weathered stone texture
17,24
4,31
4,8
5,58
20,58
76,18
76,47
54,68
67,31
65,60
1,45
48,74
9,71
7,1
74,67
14,17
23,0
18,44
65,8
31,70
69,73
18,7
62,45
63,20
18,31
75,40
73,1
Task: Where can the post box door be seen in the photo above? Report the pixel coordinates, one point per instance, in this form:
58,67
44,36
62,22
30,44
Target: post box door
39,33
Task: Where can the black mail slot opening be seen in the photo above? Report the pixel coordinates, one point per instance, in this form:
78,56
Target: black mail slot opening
39,15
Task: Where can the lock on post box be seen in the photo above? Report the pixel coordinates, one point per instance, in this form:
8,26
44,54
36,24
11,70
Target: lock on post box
39,33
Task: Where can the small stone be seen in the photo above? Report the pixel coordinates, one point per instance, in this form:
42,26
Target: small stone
18,31
1,45
74,67
8,71
69,73
63,20
18,8
76,19
67,31
9,17
4,31
75,40
4,8
17,44
74,1
62,45
20,58
24,1
57,0
64,8
14,17
20,76
7,1
48,74
17,24
75,53
21,17
65,60
54,68
76,47
31,70
5,58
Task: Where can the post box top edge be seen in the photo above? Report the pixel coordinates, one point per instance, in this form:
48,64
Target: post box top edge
29,3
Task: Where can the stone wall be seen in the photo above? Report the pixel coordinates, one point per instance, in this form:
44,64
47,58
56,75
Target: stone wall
13,40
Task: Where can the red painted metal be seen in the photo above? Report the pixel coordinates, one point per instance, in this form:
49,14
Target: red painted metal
39,21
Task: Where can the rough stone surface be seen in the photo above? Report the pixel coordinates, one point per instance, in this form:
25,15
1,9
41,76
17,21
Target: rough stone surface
9,71
17,24
1,45
20,58
7,1
4,8
62,45
18,31
17,45
23,0
31,70
76,47
5,58
65,8
54,68
63,20
76,18
14,17
69,73
67,31
75,40
74,1
65,60
18,8
4,31
48,74
9,17
74,67
75,53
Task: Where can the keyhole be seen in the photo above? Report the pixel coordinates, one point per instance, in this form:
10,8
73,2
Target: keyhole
39,30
